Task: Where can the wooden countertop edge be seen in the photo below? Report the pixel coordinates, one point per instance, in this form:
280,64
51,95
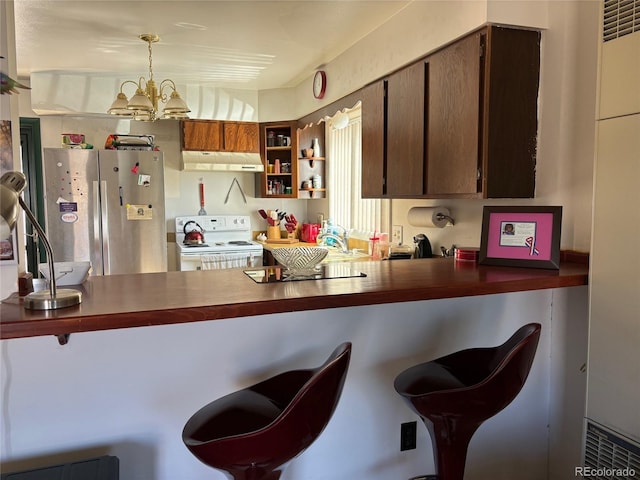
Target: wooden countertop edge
18,327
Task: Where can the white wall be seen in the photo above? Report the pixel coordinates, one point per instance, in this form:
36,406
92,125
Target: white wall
129,392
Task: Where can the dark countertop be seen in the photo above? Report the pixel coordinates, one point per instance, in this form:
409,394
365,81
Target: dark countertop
122,301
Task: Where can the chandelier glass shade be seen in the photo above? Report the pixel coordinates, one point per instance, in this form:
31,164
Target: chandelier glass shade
143,105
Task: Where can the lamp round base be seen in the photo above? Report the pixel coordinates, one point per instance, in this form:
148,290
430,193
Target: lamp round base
43,300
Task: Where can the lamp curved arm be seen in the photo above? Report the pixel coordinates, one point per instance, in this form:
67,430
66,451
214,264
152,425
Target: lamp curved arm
47,246
163,84
168,80
138,85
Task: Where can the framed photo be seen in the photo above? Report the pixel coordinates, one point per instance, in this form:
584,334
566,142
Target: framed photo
8,254
521,236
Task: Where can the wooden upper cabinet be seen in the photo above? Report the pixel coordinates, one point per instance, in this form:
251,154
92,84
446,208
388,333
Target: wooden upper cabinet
201,135
510,113
220,136
373,135
406,132
459,123
241,137
453,113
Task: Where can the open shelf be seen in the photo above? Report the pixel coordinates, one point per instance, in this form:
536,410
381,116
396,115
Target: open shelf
311,160
269,183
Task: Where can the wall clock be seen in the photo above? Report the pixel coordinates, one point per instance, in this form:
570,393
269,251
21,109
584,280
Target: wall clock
319,84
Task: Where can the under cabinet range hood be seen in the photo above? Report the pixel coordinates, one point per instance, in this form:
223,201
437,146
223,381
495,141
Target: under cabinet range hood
221,161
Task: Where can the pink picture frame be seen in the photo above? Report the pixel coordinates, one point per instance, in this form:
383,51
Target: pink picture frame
527,236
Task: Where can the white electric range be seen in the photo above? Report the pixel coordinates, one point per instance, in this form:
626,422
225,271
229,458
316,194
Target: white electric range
227,243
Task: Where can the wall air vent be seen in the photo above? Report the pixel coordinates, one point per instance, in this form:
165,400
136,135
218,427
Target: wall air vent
621,17
610,456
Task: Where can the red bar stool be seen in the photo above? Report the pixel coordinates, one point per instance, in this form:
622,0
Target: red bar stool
454,394
254,433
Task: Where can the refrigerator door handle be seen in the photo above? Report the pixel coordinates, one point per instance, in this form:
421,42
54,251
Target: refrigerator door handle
97,231
104,229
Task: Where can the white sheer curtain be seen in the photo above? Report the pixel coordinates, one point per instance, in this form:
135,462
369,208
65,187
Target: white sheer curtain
344,166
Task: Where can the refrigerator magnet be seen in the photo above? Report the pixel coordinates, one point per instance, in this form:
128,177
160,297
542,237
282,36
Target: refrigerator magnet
144,180
139,212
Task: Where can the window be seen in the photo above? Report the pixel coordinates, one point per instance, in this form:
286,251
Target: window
344,152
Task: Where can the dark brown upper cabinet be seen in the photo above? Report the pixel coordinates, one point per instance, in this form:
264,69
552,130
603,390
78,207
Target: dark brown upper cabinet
220,136
405,131
453,148
373,140
459,123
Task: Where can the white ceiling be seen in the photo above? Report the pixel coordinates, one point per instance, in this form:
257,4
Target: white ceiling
255,45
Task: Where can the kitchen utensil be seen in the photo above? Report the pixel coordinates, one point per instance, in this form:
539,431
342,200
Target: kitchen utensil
202,211
235,182
291,218
193,237
262,213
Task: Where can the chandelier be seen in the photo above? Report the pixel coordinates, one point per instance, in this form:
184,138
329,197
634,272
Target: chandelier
144,103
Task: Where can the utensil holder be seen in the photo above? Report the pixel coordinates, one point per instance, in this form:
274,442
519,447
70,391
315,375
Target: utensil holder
273,232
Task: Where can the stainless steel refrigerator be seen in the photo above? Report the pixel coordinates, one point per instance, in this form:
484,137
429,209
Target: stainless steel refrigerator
107,207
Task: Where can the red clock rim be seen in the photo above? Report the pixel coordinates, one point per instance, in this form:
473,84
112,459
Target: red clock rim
322,75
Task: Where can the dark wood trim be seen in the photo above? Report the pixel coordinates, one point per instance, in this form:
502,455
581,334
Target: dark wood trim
573,256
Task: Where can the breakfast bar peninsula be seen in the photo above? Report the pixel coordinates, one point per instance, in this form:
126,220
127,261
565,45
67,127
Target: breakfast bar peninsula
121,301
146,351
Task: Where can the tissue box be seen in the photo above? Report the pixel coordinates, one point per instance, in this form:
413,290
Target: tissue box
67,273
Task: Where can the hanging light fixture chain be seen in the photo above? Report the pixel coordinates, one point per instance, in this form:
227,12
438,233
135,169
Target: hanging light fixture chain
150,61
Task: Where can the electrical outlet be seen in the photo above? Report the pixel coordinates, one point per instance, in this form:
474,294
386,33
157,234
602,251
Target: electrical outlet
408,433
396,234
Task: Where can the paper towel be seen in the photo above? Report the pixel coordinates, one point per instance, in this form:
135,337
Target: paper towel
428,217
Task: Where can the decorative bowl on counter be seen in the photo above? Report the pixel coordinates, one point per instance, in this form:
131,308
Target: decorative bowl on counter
299,260
67,273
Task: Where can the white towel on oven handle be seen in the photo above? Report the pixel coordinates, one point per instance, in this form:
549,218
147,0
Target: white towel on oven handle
224,260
